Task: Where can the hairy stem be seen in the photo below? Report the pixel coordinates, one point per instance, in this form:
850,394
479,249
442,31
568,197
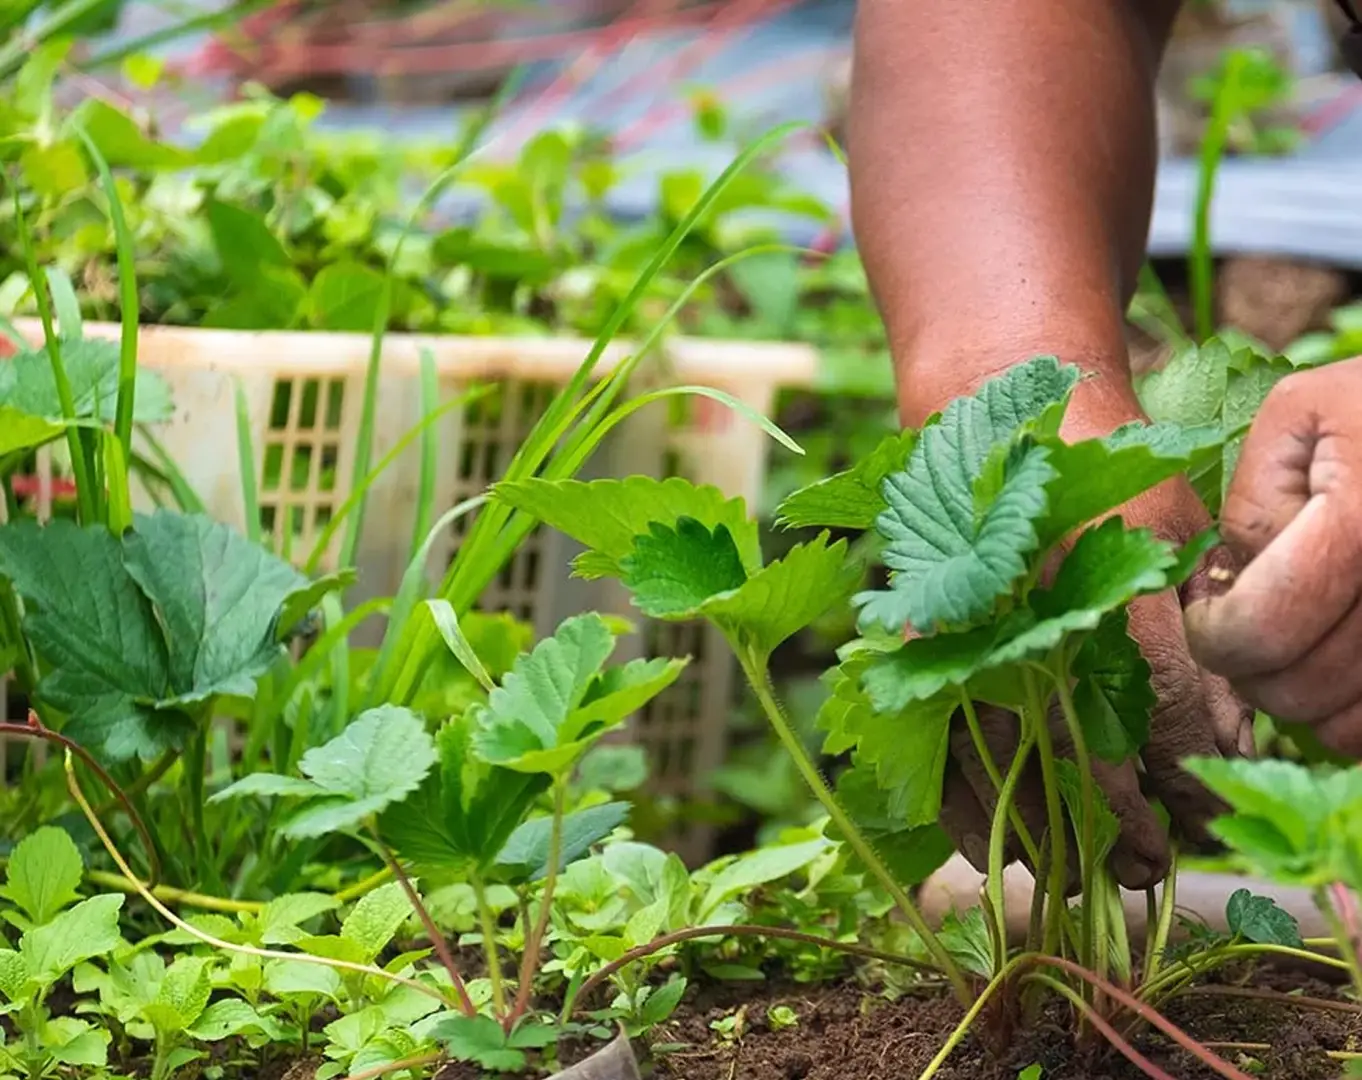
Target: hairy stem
488,923
976,732
529,960
760,682
1088,803
437,939
1171,980
1056,910
642,952
1159,928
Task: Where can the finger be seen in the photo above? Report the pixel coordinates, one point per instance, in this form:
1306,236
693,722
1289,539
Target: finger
964,818
1179,726
1287,599
1343,732
1231,720
1325,681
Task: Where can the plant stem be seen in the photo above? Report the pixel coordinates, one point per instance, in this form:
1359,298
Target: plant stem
1201,268
760,682
1168,982
529,960
642,952
363,886
1332,1055
1088,800
1054,810
418,1062
437,939
106,880
195,770
997,842
976,732
1093,1017
1157,940
1298,1000
489,943
957,1036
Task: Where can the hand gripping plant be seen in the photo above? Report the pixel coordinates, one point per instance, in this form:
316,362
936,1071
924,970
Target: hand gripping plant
974,512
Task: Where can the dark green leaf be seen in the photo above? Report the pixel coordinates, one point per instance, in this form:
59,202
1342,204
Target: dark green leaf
673,571
480,1040
1113,696
1260,920
663,1001
345,296
244,243
907,748
912,854
526,853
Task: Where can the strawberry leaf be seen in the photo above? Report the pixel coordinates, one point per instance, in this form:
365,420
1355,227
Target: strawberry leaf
673,571
1260,920
850,499
1113,696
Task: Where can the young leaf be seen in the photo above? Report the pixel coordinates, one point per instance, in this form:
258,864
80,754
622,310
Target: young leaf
607,515
1113,696
673,571
1189,389
966,938
950,561
480,1040
1249,380
663,1001
557,701
376,918
1260,920
43,875
526,854
378,760
760,867
852,499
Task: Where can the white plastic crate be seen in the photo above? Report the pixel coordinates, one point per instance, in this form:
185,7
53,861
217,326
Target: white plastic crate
305,392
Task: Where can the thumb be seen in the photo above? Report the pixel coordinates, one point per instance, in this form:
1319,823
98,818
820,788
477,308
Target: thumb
1292,593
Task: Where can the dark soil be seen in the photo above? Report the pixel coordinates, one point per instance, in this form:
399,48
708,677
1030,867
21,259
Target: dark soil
847,1033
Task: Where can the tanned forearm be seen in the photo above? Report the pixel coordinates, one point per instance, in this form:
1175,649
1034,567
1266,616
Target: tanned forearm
1002,163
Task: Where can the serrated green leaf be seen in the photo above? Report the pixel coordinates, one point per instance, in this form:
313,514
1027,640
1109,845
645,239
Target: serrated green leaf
852,499
1189,390
1096,476
556,701
907,748
781,599
28,386
278,922
378,760
1260,920
182,995
606,515
80,933
526,852
1113,695
966,938
1248,382
911,854
376,918
671,571
43,874
218,598
21,432
480,1040
13,974
951,563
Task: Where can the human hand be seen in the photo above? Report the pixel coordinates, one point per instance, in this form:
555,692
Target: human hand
1286,633
1197,713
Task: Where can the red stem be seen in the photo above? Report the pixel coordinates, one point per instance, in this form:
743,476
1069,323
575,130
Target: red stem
35,729
1114,1037
1148,1014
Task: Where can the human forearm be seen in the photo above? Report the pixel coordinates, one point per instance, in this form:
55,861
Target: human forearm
1002,160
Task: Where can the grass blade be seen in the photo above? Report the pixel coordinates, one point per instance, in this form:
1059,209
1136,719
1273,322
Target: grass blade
430,451
186,498
119,511
127,299
245,450
69,323
447,623
1200,262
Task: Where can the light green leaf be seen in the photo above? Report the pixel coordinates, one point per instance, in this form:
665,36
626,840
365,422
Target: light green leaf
20,431
43,874
480,1040
14,974
912,854
278,923
907,747
1189,389
852,499
1249,380
759,867
182,996
376,918
269,785
54,169
122,143
527,850
556,701
1114,697
966,938
293,977
80,933
607,515
226,1018
673,571
950,561
74,1042
345,297
244,243
447,623
28,385
1260,920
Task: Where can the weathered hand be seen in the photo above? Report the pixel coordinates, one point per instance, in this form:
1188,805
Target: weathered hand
1286,634
1196,714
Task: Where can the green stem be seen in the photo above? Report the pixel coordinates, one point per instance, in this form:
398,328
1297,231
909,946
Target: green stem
1346,946
195,770
529,960
489,943
169,895
760,682
1088,804
1201,265
1172,980
997,843
1054,810
957,1036
976,732
1157,941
